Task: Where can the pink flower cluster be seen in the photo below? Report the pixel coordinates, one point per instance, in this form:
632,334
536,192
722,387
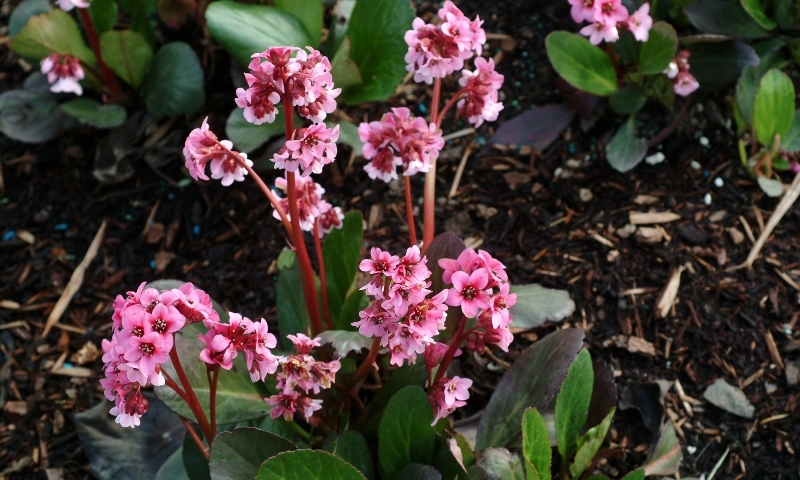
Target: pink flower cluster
299,376
63,72
605,17
401,314
447,395
479,100
310,206
224,341
203,147
143,326
313,148
399,139
481,289
68,5
435,51
683,82
275,76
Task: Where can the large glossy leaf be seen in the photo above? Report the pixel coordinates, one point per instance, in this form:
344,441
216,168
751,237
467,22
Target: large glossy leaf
667,456
128,54
791,142
194,461
292,313
353,449
773,110
405,434
717,65
238,398
532,381
626,150
538,127
23,12
376,31
51,32
659,49
309,12
28,116
756,12
720,17
173,468
580,63
344,70
417,471
240,452
572,404
142,14
369,421
589,444
246,136
342,252
174,84
247,29
104,14
537,304
95,113
500,464
308,465
536,444
345,342
746,89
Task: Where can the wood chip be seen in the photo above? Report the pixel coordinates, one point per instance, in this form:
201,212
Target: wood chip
788,280
26,237
773,349
16,407
632,344
87,354
9,304
81,372
602,239
670,292
646,200
737,237
649,218
783,206
649,234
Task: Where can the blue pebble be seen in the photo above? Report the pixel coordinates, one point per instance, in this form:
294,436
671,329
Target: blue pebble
706,173
517,83
196,230
61,227
9,235
153,264
572,148
68,365
524,54
480,140
423,108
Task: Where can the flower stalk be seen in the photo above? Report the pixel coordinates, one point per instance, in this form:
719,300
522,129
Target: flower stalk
109,79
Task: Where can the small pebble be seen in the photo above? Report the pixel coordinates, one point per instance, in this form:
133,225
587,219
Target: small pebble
718,182
704,141
557,172
691,449
196,229
9,235
786,329
655,158
153,264
585,194
695,165
707,199
422,108
480,140
60,227
571,148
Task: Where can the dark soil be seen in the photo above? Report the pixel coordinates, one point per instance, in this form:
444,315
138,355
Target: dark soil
529,211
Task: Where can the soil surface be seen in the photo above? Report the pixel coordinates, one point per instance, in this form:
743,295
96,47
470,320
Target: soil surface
559,218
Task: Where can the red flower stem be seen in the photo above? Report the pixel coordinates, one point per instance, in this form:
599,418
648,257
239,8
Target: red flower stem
306,271
412,228
171,384
192,401
365,366
455,342
323,282
109,79
429,195
213,377
669,129
450,103
195,437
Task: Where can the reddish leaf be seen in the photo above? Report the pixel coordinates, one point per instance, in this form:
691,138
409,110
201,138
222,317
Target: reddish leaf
539,127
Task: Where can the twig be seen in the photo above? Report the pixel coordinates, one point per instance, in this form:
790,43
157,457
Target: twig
785,204
669,129
460,171
75,281
719,464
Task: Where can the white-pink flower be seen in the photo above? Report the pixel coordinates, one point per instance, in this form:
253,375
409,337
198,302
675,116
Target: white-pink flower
203,147
456,389
640,22
685,84
63,72
610,11
469,292
310,204
68,5
314,148
599,31
479,101
582,10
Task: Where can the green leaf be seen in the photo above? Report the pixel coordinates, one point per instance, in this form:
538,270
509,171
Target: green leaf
24,12
309,12
791,142
773,111
444,461
142,13
499,463
345,342
536,304
51,32
667,456
721,17
756,12
247,29
536,444
172,468
746,89
353,449
635,475
292,313
28,116
246,136
128,54
95,113
417,471
344,70
659,49
532,381
341,250
308,465
772,187
628,47
355,302
589,444
626,150
580,63
572,404
174,85
194,462
663,91
405,434
240,452
627,100
718,65
376,31
104,14
238,398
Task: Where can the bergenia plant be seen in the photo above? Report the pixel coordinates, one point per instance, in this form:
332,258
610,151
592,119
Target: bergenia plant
628,58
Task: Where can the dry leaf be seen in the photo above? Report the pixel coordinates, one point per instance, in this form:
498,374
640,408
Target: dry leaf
632,344
87,354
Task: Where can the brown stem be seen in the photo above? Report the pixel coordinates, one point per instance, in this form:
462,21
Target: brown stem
412,228
195,437
455,342
669,129
191,400
366,365
322,280
109,79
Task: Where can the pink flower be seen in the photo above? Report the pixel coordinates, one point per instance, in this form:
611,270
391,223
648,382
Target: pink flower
192,303
303,344
228,167
379,263
68,5
283,404
375,321
448,395
499,305
258,105
310,204
456,389
435,352
640,23
479,102
610,11
468,292
64,71
315,147
599,31
202,146
165,319
147,351
582,10
427,316
260,360
685,84
330,219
